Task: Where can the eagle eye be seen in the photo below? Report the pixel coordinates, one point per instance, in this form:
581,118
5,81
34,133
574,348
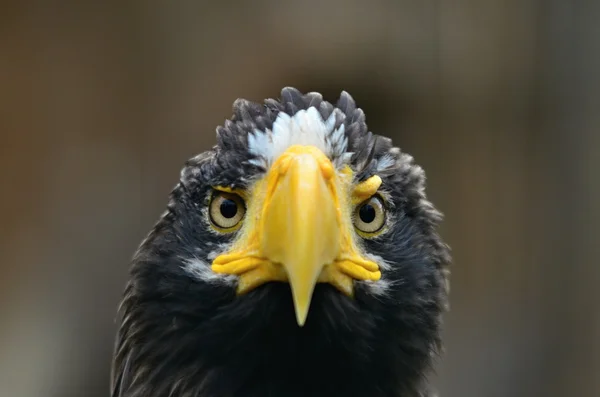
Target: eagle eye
369,216
226,211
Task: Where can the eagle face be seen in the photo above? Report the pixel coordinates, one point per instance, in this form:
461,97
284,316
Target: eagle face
298,257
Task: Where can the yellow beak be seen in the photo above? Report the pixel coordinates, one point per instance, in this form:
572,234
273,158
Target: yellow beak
298,229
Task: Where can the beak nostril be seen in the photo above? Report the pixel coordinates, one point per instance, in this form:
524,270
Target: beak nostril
284,164
327,169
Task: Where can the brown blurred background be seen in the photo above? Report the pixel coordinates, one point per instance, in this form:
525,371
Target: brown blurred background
101,103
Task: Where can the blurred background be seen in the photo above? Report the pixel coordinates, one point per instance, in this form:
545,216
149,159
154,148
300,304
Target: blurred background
101,104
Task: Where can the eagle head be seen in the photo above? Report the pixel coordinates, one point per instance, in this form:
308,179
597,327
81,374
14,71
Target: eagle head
297,257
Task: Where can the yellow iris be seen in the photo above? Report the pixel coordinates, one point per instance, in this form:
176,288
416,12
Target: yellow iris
298,229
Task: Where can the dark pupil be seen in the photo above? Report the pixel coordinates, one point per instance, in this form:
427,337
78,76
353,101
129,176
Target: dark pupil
228,208
367,213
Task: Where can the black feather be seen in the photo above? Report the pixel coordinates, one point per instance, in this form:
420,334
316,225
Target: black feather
180,336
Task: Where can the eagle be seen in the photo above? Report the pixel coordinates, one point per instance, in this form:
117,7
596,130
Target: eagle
299,256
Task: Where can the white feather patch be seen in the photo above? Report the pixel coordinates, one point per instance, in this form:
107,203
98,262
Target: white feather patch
202,271
381,286
306,127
